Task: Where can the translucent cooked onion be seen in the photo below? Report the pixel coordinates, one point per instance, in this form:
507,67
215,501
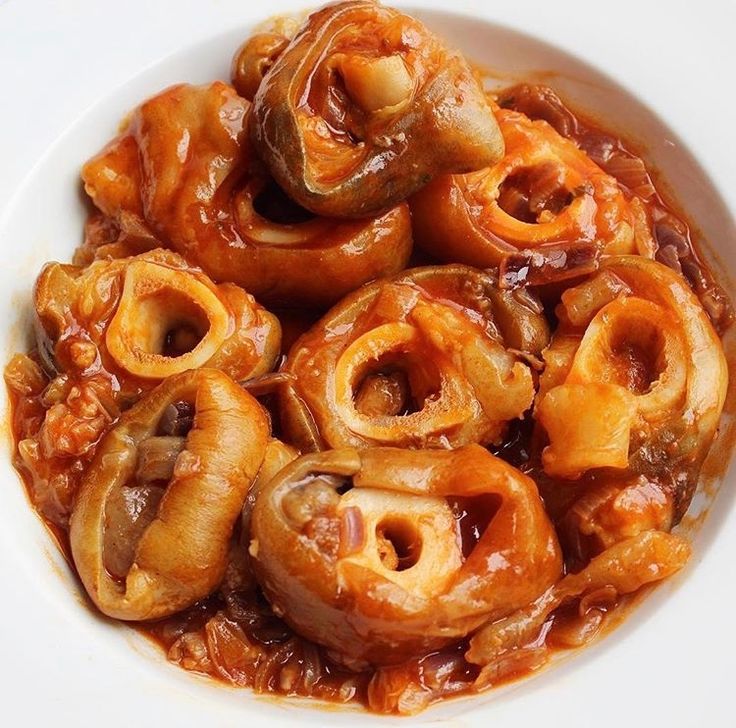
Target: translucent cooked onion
233,655
626,567
410,687
631,172
394,691
612,510
539,102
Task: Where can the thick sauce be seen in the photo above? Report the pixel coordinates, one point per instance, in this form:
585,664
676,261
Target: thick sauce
233,635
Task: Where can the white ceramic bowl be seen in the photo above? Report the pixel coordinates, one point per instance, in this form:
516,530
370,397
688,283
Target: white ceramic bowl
73,69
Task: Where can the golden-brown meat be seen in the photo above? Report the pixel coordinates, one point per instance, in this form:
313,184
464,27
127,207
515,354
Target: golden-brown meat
364,107
253,59
635,383
145,318
388,569
259,51
435,357
151,527
466,482
184,172
542,213
277,456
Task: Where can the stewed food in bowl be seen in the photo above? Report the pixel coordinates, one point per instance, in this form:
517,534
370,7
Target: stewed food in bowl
369,382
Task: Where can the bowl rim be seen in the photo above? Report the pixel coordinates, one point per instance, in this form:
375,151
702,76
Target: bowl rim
718,174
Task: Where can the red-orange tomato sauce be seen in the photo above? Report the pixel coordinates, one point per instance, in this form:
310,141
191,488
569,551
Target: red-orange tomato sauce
233,635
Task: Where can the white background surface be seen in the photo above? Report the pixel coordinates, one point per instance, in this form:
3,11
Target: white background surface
58,58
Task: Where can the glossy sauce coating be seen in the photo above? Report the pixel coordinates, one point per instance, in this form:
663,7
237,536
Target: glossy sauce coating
183,174
399,579
364,106
544,195
434,357
382,567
